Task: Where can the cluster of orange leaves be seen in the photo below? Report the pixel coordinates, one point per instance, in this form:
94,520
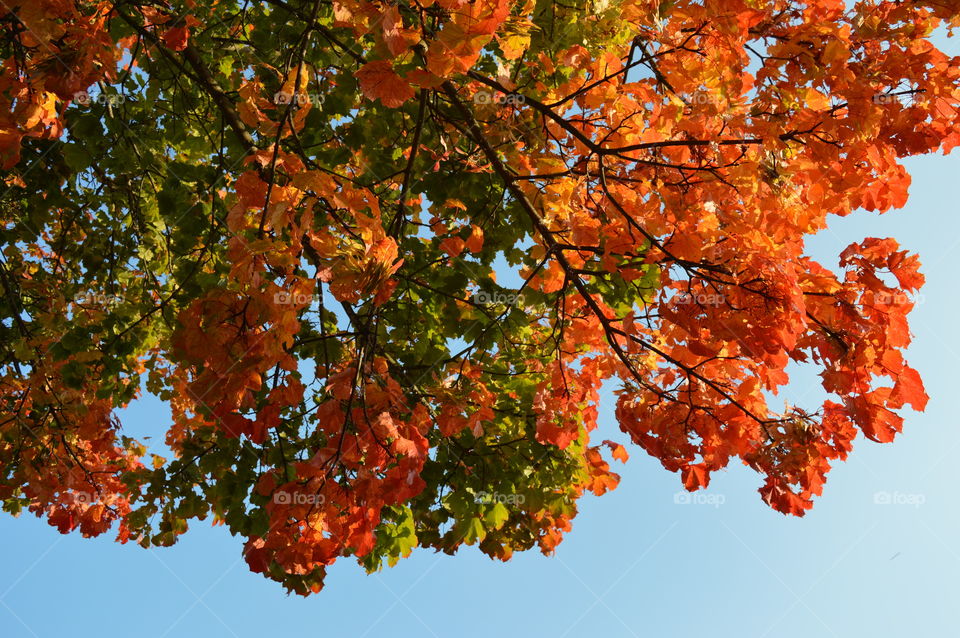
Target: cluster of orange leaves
64,452
65,51
697,374
739,300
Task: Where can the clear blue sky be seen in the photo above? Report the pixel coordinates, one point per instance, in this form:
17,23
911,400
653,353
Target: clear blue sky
636,563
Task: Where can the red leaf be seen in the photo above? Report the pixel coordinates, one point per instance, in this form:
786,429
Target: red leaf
178,37
695,477
908,389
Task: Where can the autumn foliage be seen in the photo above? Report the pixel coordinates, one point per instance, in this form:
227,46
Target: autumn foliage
287,218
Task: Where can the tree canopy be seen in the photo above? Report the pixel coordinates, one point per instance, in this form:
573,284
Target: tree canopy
287,219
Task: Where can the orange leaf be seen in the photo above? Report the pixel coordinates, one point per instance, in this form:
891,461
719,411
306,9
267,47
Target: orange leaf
178,37
475,240
397,38
453,246
695,477
379,80
619,452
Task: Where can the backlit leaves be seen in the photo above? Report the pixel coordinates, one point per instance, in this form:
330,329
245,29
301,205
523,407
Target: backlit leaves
380,272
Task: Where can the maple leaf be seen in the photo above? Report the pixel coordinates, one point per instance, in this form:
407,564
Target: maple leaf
453,246
378,80
397,38
695,477
474,242
909,389
177,37
619,452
